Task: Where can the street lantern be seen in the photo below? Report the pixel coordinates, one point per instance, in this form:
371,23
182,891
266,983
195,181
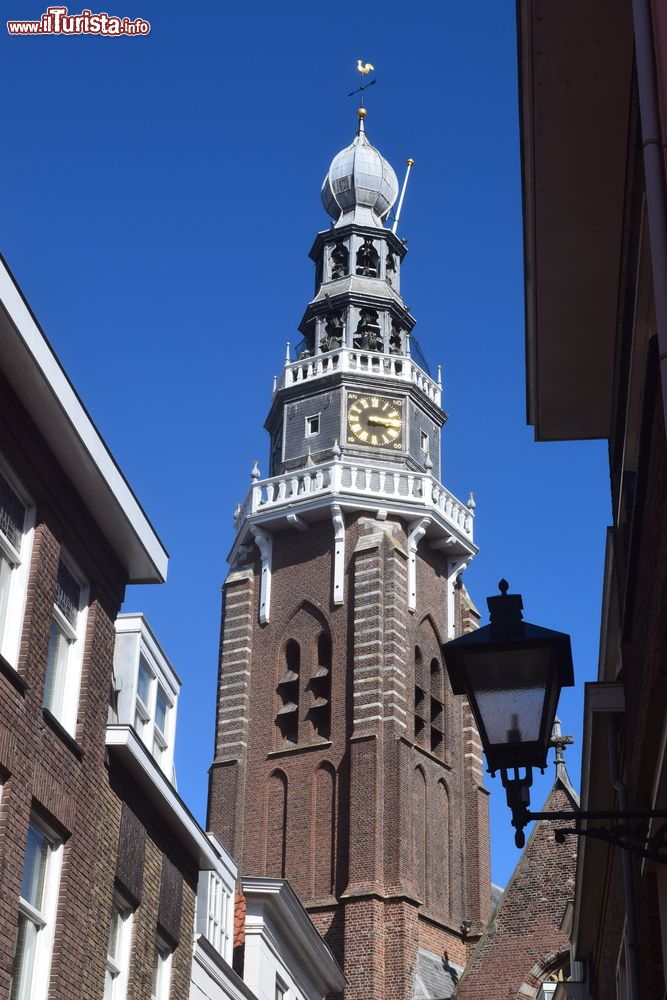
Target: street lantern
511,673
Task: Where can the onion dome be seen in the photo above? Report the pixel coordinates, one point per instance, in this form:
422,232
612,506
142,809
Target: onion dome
360,185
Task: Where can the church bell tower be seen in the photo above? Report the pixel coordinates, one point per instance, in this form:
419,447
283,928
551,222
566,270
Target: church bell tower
342,760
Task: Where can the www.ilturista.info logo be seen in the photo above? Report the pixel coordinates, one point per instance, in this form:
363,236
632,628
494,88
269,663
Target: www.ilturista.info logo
58,21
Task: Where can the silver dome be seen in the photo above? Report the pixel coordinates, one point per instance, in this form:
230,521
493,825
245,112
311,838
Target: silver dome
360,185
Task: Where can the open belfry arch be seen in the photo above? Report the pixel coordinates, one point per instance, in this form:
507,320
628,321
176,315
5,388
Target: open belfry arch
342,760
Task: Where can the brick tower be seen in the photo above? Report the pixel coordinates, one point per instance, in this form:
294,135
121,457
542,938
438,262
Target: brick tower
342,760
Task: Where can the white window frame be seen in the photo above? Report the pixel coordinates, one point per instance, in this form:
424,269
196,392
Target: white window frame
151,735
215,912
19,559
424,440
308,431
118,964
281,989
36,987
162,970
74,663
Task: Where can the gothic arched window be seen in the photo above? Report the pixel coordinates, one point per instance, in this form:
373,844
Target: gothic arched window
287,719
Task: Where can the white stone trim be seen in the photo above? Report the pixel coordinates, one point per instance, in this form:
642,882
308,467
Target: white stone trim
35,373
339,554
264,542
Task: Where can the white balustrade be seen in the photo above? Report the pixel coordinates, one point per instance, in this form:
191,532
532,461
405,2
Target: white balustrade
344,477
347,359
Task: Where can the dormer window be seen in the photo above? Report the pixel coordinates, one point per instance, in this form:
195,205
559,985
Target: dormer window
142,714
160,728
147,689
151,715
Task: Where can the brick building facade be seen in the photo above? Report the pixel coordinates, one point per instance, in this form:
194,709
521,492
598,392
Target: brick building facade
594,111
342,760
103,867
524,944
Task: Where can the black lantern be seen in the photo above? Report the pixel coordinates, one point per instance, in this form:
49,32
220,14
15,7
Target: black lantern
511,673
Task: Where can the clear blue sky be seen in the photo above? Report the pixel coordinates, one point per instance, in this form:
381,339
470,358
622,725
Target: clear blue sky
159,196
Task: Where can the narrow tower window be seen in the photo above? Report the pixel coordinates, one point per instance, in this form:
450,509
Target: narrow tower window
421,703
287,718
368,259
320,689
313,425
367,336
334,331
340,259
390,267
437,709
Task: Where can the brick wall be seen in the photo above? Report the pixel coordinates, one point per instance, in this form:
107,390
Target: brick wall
357,833
524,937
66,780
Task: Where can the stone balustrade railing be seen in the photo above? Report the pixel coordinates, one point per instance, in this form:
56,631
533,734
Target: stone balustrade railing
345,477
347,359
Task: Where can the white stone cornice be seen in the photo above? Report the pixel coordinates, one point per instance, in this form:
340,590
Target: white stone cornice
381,487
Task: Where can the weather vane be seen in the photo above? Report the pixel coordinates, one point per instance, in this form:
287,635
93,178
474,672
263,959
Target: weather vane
364,69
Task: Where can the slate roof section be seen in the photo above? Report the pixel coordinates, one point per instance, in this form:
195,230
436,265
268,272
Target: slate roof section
435,977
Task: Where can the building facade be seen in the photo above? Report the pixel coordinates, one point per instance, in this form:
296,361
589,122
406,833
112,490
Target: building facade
524,951
594,122
343,763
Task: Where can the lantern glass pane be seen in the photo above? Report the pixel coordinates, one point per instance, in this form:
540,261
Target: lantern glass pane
510,688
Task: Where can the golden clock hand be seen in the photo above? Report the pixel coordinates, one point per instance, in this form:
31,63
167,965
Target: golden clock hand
384,422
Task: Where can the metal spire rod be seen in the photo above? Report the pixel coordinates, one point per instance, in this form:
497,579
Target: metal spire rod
364,69
410,164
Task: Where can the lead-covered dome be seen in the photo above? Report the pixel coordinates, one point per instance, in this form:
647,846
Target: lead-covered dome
360,185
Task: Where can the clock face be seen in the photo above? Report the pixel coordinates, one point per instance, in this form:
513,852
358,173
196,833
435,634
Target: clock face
375,420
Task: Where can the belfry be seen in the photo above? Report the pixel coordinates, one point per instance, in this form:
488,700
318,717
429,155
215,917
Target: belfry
342,760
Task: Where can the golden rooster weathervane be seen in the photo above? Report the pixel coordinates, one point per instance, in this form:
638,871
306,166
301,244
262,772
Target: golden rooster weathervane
364,69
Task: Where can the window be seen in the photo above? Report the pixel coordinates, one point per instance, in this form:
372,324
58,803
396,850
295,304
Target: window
118,951
63,668
287,718
215,912
320,688
142,715
423,441
281,989
16,524
152,713
37,913
160,727
313,425
161,971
